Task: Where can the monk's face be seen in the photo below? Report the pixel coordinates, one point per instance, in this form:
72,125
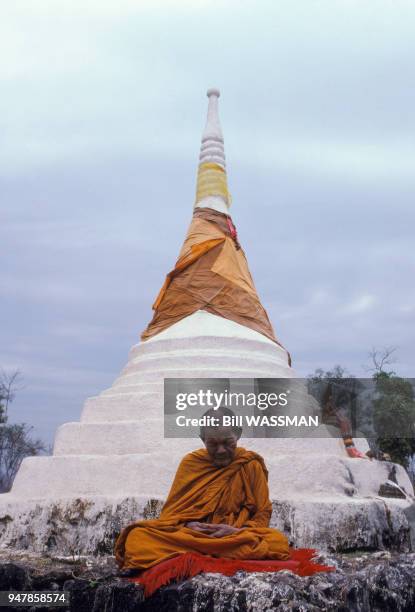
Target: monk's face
221,444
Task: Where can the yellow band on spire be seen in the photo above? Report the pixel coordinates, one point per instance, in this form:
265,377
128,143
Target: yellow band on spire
211,181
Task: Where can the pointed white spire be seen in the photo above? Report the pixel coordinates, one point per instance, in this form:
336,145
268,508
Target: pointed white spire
212,188
212,149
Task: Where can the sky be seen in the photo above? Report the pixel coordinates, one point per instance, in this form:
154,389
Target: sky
102,107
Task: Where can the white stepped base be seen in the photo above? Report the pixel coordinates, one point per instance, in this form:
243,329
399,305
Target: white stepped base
151,474
200,346
175,359
201,370
113,466
129,437
117,409
123,407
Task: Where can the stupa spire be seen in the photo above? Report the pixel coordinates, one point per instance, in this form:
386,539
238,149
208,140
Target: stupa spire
212,187
212,149
211,273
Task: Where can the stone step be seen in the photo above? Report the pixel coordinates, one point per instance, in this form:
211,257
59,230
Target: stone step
141,406
139,387
203,372
123,407
304,476
202,343
129,402
192,358
130,391
127,437
127,396
147,436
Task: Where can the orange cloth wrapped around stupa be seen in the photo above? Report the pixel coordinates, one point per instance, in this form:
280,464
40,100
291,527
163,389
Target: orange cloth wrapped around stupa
211,274
236,495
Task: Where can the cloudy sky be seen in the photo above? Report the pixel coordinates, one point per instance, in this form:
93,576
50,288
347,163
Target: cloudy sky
102,106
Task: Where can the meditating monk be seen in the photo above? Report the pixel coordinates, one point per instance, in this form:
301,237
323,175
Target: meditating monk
218,505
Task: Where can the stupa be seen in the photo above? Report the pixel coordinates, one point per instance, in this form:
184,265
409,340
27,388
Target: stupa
115,466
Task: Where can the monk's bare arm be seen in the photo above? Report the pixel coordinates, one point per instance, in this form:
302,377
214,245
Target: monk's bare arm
259,486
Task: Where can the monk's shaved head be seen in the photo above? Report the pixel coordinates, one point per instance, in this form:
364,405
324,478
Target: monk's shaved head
219,413
220,441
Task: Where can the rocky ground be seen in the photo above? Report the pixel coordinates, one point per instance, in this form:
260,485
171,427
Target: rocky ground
362,582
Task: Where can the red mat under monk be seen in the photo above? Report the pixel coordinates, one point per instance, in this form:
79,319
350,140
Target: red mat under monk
187,565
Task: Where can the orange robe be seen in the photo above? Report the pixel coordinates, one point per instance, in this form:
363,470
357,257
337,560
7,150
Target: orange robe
236,495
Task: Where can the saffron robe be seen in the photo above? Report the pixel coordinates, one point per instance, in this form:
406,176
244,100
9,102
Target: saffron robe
236,495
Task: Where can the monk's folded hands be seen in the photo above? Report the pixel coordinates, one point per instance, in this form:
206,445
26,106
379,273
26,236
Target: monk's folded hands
221,530
197,526
216,530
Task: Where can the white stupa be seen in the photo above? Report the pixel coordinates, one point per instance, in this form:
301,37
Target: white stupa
114,465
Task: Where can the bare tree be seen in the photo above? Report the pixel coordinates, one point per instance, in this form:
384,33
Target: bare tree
381,358
9,384
15,444
16,441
